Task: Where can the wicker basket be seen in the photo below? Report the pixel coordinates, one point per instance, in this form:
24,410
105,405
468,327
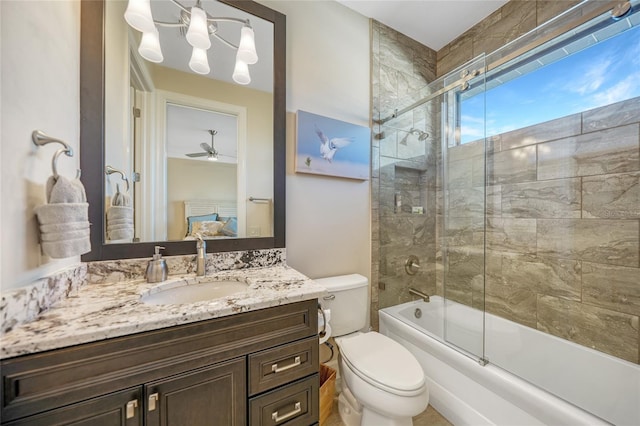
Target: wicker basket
327,392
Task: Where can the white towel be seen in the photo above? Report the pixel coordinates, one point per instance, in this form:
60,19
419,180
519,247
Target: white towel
121,234
121,199
51,237
120,223
67,248
62,227
64,221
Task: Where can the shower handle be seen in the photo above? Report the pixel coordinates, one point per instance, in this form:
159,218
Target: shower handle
412,265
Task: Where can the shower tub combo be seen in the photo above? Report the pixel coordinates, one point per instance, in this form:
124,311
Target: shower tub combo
604,388
532,213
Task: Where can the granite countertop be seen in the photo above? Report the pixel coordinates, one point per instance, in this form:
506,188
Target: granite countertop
103,311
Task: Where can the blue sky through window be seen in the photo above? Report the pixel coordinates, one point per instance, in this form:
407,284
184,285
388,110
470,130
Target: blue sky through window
602,74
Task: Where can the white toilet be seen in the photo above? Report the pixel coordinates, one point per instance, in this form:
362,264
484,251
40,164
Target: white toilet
382,383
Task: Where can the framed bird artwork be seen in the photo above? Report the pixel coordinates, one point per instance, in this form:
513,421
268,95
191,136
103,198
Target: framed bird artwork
325,146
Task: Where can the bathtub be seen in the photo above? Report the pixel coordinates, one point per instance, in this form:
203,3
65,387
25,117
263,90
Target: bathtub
601,389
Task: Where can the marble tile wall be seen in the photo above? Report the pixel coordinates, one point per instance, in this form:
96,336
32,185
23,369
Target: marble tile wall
504,25
562,199
562,203
403,166
562,228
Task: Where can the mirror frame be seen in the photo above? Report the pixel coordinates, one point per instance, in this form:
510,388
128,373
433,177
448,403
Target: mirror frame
92,140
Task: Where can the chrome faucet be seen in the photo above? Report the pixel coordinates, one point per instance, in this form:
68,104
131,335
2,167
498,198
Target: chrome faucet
201,255
420,294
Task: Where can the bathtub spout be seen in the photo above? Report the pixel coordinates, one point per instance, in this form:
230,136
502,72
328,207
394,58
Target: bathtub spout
420,294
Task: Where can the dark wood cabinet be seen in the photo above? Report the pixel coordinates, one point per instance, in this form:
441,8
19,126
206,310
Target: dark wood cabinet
204,373
209,396
296,404
116,409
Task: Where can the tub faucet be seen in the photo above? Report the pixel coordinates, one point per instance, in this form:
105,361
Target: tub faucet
423,296
201,254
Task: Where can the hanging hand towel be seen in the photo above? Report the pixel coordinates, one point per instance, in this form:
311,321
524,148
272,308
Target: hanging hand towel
64,221
120,217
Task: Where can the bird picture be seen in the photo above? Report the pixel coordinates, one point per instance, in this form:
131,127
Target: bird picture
329,147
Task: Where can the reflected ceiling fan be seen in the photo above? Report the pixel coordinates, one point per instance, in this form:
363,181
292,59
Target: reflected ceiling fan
209,150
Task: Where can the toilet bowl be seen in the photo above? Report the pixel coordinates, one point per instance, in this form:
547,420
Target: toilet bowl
382,383
384,378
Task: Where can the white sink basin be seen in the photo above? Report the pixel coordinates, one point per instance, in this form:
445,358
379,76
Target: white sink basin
183,292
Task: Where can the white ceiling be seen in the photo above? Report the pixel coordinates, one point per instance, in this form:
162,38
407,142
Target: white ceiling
433,23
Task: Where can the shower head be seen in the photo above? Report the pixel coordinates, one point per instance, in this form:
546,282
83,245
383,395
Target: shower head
419,133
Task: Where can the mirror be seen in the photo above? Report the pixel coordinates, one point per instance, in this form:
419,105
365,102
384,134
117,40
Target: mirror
175,180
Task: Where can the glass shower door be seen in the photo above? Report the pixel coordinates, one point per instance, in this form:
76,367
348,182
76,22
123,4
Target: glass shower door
462,174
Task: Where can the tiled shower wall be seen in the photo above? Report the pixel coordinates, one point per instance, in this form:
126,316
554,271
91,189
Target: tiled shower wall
562,235
562,227
401,68
403,166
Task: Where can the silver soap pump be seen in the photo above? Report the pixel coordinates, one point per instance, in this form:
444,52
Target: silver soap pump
157,267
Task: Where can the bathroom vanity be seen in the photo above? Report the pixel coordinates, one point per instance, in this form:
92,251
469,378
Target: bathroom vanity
249,358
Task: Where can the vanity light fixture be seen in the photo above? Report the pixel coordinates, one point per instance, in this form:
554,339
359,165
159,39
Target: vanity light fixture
199,27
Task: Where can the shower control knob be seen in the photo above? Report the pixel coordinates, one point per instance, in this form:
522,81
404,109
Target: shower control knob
412,265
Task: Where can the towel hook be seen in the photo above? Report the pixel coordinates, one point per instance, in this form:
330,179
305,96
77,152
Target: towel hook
110,170
39,138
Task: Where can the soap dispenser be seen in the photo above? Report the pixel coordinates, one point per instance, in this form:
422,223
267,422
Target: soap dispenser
157,267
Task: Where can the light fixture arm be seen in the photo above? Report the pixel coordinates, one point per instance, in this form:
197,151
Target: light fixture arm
200,26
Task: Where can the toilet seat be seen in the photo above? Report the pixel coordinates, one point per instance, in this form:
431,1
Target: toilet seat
383,363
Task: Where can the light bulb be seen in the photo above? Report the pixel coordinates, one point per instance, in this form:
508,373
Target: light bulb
212,157
199,62
198,33
138,15
241,73
247,48
150,46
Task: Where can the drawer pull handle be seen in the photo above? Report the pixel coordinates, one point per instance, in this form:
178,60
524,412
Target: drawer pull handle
297,409
131,408
153,399
329,297
276,369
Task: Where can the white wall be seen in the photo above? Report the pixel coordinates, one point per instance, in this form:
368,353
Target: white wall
328,219
40,47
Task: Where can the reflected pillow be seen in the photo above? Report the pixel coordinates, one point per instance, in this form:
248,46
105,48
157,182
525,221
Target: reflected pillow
230,228
202,218
207,228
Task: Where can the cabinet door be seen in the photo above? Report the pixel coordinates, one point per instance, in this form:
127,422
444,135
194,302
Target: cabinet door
210,396
117,409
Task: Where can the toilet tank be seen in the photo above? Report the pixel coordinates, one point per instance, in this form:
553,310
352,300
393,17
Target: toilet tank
348,300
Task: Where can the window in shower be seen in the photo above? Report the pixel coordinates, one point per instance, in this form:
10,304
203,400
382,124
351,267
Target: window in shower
573,75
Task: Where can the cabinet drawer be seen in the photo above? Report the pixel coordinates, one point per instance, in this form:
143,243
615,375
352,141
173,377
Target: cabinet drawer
284,364
294,405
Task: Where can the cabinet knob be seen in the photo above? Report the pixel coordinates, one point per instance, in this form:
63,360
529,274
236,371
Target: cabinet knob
131,408
296,362
153,399
297,409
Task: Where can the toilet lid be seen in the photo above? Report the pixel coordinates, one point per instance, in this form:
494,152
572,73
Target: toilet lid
375,357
